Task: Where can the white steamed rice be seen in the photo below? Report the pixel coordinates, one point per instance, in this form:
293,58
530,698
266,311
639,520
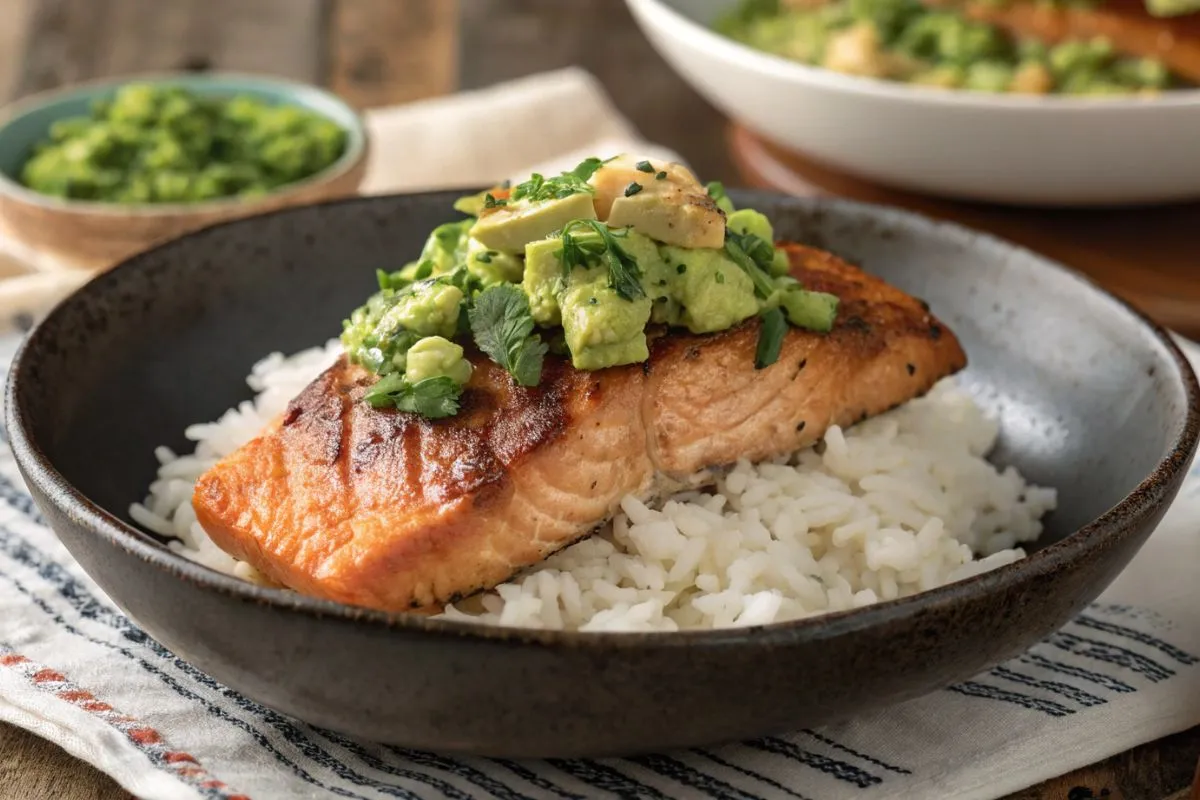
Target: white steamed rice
899,504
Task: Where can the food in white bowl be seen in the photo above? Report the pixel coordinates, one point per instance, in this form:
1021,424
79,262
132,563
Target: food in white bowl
1037,149
525,426
1023,47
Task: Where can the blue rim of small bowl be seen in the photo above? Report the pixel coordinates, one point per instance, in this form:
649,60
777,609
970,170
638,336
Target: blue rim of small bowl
895,90
1142,502
356,142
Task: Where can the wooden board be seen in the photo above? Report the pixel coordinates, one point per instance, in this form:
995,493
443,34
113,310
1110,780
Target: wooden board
72,40
384,52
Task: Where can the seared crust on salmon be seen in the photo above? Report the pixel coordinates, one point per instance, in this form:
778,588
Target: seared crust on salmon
393,511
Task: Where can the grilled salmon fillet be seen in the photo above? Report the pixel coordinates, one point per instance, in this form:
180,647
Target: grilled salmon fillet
393,511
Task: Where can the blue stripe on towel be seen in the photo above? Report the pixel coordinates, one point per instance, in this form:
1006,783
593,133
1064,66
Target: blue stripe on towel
1107,681
829,766
1110,654
1085,621
1081,697
989,692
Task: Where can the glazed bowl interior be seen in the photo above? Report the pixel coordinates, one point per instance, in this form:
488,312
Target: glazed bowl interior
1090,400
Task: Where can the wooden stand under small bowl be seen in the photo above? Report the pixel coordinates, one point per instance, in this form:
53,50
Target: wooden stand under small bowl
1147,255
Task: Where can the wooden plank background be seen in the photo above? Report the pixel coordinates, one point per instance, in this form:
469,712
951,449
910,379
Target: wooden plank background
379,52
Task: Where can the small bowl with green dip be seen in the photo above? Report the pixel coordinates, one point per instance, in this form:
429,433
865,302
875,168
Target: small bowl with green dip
93,173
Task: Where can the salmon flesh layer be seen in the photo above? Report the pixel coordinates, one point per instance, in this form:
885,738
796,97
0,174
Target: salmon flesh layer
392,511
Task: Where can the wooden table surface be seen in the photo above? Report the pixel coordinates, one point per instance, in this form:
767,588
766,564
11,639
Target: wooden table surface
379,52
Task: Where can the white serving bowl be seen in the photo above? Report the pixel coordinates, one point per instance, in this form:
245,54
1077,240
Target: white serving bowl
1060,151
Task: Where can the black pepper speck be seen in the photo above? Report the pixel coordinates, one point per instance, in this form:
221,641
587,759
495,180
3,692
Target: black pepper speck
912,370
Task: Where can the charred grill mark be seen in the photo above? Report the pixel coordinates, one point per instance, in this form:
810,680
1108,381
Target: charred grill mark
858,323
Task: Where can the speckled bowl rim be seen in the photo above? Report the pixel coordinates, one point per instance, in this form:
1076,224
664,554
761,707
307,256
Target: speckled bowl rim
1143,502
357,145
795,71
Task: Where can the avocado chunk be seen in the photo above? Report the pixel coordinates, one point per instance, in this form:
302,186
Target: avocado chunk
509,228
676,218
446,246
430,309
437,357
715,293
492,266
661,200
602,328
748,221
815,311
543,281
657,278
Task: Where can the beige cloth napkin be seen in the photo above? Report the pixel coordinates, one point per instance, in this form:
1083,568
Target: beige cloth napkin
504,131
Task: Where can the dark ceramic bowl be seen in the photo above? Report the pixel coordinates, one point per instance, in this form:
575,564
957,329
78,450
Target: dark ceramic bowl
1093,400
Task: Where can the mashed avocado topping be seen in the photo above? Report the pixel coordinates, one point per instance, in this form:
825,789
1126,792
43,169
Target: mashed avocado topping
163,144
912,41
590,265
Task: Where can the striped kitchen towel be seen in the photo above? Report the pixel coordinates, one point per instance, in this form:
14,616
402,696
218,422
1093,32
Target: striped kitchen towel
75,670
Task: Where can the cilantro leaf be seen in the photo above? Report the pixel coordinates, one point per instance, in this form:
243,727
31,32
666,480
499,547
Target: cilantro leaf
539,188
433,398
770,338
624,274
502,325
587,168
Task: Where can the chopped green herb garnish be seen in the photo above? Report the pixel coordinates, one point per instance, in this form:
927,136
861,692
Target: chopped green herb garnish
770,338
485,257
502,325
632,189
540,188
682,268
624,274
720,277
662,176
735,248
490,201
644,166
434,398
